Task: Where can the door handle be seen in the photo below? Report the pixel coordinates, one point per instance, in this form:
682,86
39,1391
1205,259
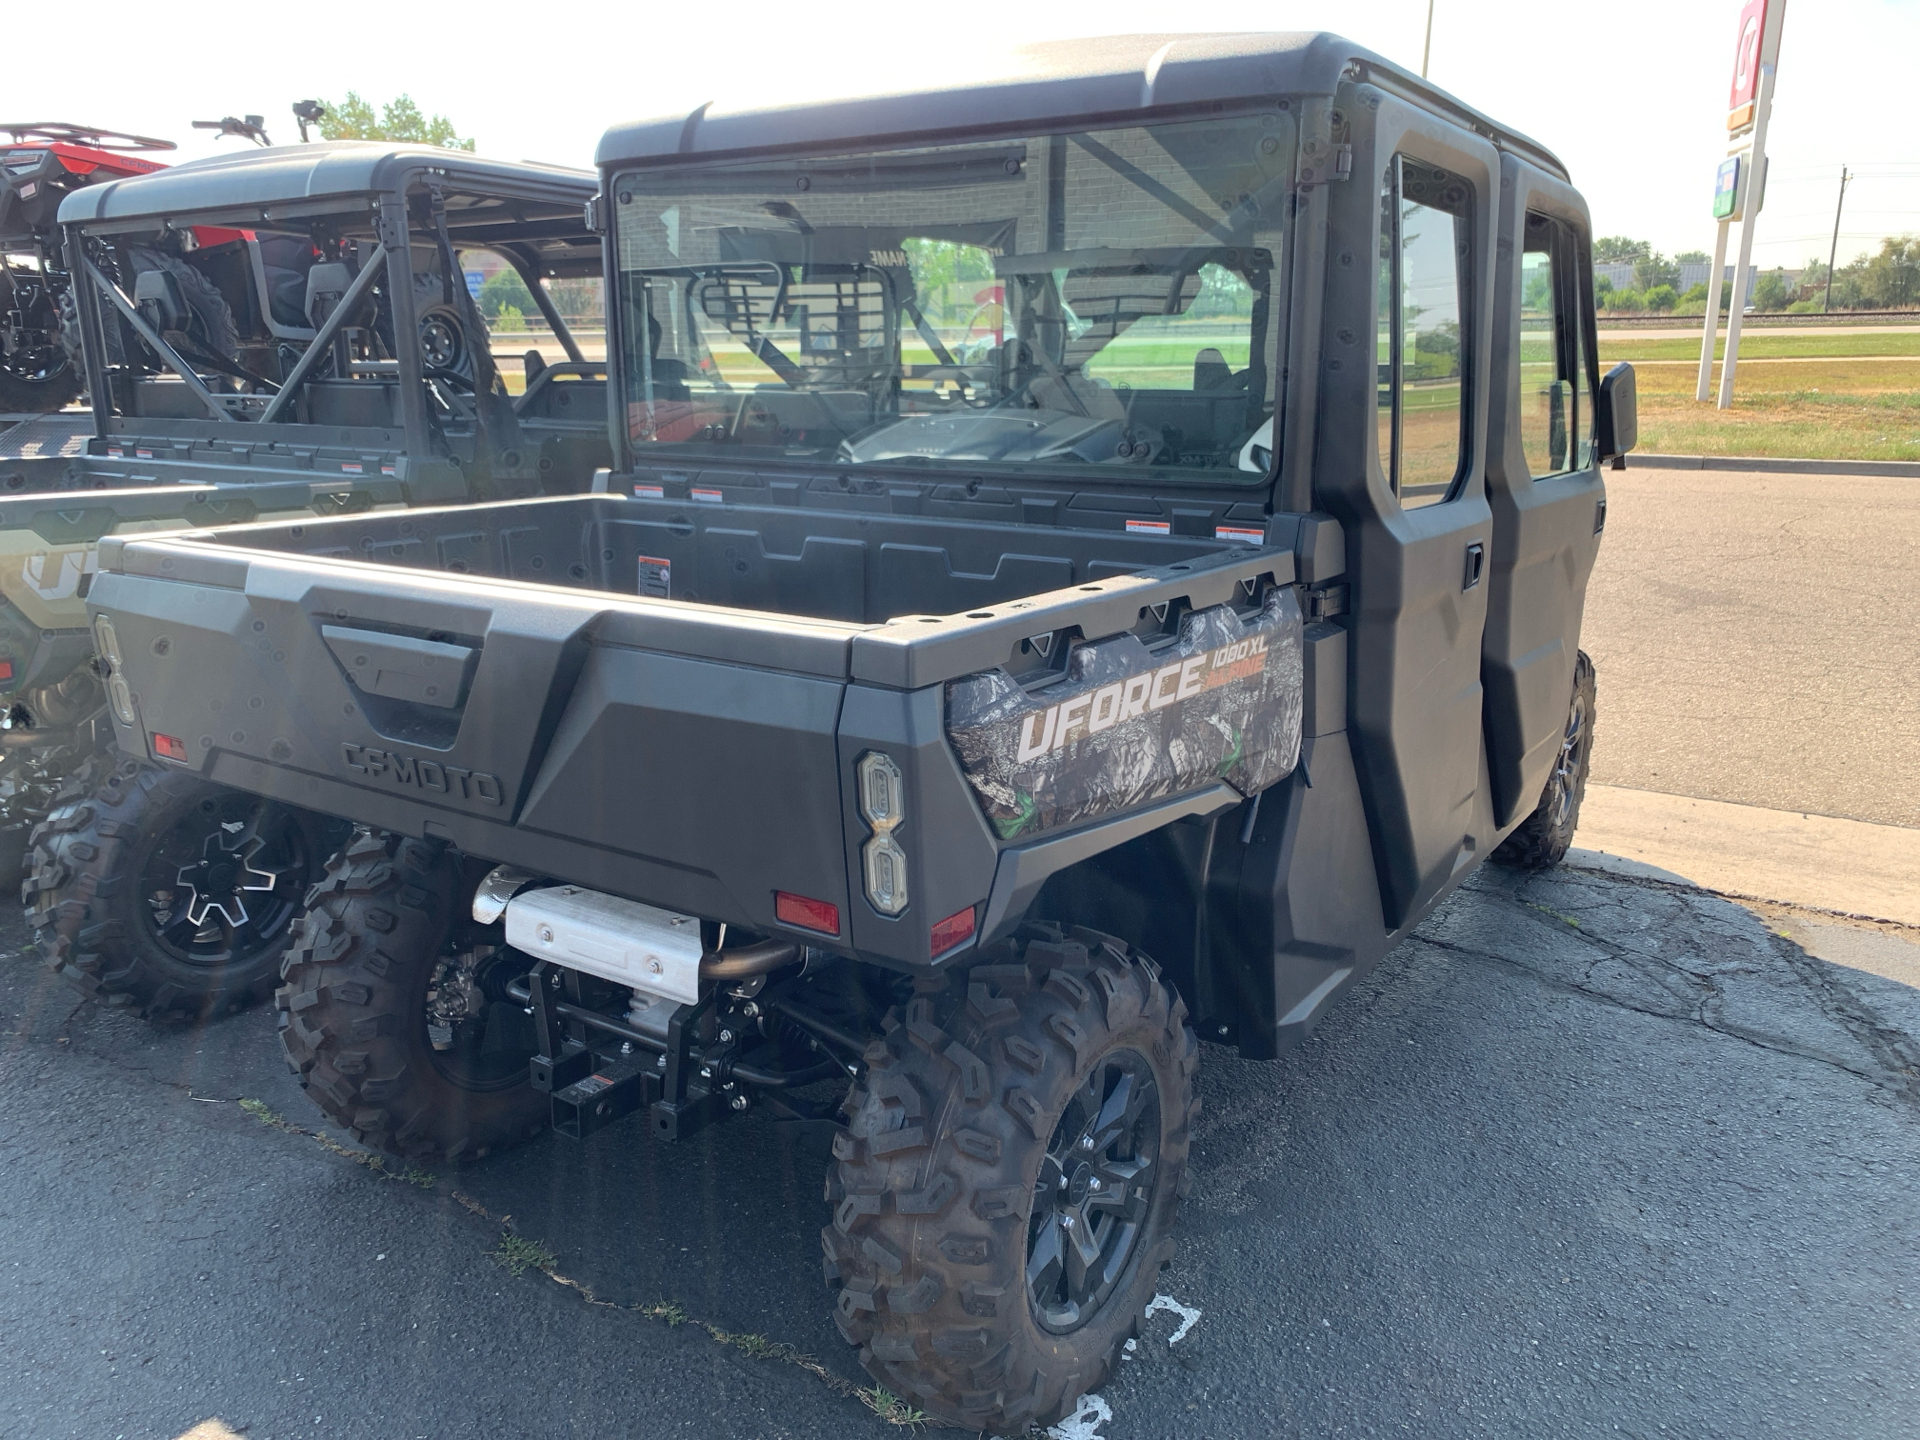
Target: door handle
1476,562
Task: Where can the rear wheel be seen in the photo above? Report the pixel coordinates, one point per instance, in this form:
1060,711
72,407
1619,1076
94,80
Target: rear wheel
38,379
394,1010
1546,835
160,891
1007,1186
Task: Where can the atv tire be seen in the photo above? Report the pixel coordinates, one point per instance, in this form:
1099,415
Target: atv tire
1545,836
39,394
1044,1094
162,892
213,329
383,927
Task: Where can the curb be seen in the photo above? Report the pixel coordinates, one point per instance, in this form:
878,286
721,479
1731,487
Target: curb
1903,469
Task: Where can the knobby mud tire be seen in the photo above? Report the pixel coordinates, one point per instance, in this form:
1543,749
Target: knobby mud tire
34,785
935,1176
219,333
21,396
1545,836
83,888
353,1005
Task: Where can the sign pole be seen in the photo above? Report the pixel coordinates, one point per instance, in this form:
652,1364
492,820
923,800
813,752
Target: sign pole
1750,213
1716,279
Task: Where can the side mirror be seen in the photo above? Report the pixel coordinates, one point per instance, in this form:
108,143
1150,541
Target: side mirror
1616,417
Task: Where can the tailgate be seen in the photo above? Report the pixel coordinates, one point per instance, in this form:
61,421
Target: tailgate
681,754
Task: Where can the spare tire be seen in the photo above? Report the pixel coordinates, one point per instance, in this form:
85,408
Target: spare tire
211,329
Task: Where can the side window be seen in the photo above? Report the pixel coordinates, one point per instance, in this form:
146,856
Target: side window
1556,417
1423,337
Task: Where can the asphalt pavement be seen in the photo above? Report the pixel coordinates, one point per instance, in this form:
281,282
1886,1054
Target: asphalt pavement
1588,1156
1592,1154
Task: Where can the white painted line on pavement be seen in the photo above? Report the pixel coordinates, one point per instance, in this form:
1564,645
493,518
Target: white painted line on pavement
1816,861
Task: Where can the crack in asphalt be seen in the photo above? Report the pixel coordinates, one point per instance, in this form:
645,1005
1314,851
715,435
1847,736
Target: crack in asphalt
1894,1056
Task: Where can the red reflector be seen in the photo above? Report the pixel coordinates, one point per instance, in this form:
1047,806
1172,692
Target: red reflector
169,747
821,915
953,930
6,669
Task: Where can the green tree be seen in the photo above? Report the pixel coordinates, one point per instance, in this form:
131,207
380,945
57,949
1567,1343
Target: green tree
1662,299
354,118
1537,293
1602,288
504,290
1813,280
1627,302
1619,250
1652,270
1891,279
1770,291
939,266
1693,257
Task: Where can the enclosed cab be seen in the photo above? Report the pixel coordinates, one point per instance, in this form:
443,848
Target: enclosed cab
1094,554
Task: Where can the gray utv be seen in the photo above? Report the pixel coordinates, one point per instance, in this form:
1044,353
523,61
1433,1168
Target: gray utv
281,334
1138,504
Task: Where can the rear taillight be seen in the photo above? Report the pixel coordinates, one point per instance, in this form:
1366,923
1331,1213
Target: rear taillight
883,806
6,669
953,931
806,914
169,747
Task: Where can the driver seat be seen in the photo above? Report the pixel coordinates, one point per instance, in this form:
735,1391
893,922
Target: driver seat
1211,371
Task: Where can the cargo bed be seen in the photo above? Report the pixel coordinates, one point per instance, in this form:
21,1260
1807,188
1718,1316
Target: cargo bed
667,700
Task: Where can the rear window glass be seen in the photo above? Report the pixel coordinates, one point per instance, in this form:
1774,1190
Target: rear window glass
1072,302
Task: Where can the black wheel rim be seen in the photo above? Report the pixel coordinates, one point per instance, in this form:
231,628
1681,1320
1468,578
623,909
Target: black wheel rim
225,881
479,1038
1094,1192
440,342
37,364
1566,769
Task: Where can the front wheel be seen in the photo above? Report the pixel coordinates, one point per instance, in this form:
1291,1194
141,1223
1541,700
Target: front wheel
158,890
1006,1190
395,1013
1545,836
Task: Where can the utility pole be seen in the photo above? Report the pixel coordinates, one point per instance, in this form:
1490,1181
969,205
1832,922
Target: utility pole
1826,300
1426,50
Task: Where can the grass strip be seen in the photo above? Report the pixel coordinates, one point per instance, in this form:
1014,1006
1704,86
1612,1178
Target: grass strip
517,1255
365,1159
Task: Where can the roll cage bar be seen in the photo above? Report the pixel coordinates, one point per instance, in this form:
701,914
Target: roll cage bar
536,227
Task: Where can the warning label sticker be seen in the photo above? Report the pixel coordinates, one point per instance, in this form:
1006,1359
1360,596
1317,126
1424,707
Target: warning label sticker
656,577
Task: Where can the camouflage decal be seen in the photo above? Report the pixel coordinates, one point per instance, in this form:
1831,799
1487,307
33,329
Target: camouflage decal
1127,725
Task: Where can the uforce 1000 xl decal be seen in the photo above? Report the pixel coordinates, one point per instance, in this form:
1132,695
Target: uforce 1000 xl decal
1128,725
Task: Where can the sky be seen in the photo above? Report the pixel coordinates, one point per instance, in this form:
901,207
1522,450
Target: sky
1630,94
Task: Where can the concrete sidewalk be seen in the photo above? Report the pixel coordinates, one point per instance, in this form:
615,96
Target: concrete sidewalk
1743,850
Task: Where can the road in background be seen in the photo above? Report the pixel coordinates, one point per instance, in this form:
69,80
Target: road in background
1756,640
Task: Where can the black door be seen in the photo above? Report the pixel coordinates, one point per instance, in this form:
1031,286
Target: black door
1548,500
1400,460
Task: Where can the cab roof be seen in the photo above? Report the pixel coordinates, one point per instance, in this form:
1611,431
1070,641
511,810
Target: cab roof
1118,79
300,174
